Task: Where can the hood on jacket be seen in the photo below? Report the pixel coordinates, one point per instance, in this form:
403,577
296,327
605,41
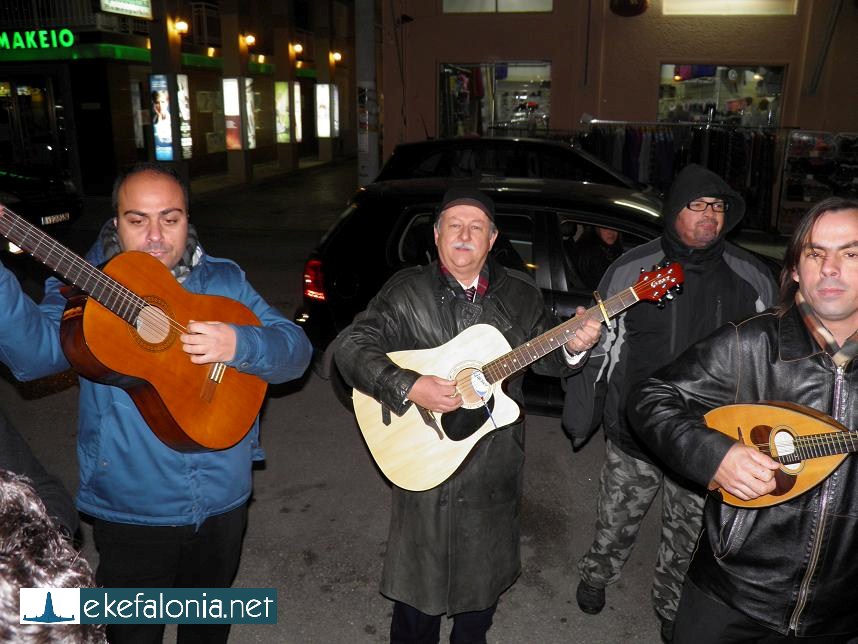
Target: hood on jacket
694,182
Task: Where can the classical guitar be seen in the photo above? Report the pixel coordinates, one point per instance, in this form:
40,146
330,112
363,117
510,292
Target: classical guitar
808,444
121,327
420,450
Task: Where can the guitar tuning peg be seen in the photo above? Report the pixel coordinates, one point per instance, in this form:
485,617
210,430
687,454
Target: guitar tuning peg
668,295
660,303
643,270
678,289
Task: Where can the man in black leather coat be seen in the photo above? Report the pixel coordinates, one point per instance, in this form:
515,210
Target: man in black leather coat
786,571
453,549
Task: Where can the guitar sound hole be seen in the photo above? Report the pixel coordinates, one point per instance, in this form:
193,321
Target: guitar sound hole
460,424
153,325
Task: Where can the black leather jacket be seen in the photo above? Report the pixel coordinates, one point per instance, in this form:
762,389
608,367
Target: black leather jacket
793,566
453,548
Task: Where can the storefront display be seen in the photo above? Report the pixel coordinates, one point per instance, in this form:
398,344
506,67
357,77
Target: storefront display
816,165
748,96
496,98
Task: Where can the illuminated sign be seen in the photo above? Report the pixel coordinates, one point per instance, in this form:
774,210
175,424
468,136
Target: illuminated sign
184,96
36,39
250,113
296,92
232,113
135,8
335,110
281,112
323,111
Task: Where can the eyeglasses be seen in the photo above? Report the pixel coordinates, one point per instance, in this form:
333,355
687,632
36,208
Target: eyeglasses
701,206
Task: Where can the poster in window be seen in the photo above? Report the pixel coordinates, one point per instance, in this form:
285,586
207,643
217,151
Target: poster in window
162,125
232,114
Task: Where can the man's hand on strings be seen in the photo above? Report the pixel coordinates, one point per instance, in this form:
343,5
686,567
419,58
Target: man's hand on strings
208,342
745,473
435,394
585,337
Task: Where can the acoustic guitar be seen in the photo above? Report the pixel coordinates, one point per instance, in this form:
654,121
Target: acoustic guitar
808,444
121,327
420,450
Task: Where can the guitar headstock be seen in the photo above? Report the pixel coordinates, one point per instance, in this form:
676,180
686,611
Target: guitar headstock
661,283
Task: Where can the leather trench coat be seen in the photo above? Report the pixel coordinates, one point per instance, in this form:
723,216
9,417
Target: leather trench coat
454,548
792,566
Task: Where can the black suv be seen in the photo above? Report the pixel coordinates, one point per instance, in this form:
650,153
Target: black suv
45,199
503,158
389,226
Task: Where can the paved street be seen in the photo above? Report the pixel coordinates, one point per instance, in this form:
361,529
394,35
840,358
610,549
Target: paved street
318,519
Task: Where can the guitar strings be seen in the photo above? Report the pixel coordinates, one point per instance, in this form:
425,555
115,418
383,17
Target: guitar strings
814,443
125,297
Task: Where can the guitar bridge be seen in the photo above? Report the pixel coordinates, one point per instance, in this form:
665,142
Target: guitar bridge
213,379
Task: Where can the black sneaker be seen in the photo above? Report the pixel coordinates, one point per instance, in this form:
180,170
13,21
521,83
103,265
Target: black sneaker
591,599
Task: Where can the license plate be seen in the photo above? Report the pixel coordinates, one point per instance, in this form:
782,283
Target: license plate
47,220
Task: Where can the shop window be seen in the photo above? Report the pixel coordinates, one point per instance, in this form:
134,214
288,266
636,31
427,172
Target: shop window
497,6
734,94
730,7
495,98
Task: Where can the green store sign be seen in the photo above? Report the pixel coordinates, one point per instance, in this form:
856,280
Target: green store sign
36,39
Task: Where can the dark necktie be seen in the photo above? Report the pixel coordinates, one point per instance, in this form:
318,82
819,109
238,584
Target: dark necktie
470,293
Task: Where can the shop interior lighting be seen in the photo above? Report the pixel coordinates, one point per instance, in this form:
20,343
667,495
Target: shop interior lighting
181,26
260,58
210,52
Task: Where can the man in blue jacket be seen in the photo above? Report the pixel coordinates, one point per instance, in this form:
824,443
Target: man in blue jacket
163,518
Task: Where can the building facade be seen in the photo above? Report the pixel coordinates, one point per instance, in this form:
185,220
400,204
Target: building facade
215,87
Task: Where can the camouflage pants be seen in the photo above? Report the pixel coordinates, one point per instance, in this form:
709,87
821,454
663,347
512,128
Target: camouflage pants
627,487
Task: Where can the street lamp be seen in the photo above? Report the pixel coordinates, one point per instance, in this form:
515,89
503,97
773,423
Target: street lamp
181,26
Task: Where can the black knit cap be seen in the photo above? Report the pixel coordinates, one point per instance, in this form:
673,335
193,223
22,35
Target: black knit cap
465,195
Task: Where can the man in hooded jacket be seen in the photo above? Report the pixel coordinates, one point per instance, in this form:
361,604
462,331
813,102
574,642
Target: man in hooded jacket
722,283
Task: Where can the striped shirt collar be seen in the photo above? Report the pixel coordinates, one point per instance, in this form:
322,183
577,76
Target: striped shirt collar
823,337
482,281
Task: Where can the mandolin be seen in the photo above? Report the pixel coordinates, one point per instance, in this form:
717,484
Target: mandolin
808,444
121,327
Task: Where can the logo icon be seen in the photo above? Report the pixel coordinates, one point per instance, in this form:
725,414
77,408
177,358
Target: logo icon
50,605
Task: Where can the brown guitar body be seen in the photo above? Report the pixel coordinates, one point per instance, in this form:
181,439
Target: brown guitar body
809,444
190,407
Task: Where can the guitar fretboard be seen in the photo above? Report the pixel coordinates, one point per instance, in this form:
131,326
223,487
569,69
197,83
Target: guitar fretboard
817,445
542,345
73,268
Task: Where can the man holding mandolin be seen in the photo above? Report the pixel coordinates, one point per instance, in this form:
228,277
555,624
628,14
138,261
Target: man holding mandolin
454,548
722,283
165,467
780,569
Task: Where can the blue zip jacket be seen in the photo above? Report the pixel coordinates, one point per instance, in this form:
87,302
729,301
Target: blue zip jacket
127,474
